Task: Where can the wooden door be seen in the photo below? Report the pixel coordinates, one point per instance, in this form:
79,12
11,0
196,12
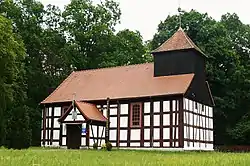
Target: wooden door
73,136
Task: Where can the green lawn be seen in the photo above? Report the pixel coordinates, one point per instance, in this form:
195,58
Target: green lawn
54,157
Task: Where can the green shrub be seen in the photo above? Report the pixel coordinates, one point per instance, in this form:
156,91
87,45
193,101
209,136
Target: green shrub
95,146
108,146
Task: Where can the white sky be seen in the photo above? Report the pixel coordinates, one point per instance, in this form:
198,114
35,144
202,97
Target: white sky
145,15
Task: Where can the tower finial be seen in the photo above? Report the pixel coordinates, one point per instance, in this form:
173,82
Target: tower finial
179,11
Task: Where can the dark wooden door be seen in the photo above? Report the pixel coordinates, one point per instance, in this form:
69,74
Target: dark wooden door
73,136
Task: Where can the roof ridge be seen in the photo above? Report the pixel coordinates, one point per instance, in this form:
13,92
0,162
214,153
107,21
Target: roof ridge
106,68
71,74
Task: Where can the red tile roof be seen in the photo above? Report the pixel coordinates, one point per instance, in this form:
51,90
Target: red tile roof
118,82
179,41
90,111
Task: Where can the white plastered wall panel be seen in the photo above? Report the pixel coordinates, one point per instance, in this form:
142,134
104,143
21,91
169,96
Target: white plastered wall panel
203,122
83,141
57,111
123,121
50,111
146,120
156,106
123,135
210,123
156,133
135,134
166,133
166,119
191,118
105,112
123,144
166,144
156,120
124,109
207,123
190,105
146,134
56,123
196,122
166,106
55,144
191,129
212,135
146,144
147,107
174,105
210,112
185,118
112,135
113,111
201,134
176,144
186,132
156,144
64,129
56,134
64,141
136,144
185,105
113,121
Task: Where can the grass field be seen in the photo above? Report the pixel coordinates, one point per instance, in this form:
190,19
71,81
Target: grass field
53,157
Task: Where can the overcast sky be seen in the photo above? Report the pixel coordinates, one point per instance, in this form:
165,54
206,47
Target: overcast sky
145,15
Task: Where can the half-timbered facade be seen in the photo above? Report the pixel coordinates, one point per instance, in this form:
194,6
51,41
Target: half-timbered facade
166,104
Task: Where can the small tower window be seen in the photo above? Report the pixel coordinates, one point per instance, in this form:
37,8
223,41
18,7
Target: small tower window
135,115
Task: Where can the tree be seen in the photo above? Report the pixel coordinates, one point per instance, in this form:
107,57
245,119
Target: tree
225,44
89,27
127,48
13,112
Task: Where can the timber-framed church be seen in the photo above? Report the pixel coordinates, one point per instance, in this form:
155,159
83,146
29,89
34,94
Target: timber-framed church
166,104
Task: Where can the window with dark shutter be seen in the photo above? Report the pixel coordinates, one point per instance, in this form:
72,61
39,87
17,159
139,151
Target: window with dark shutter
135,114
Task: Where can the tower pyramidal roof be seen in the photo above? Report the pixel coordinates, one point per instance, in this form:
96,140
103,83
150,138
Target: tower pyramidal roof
179,41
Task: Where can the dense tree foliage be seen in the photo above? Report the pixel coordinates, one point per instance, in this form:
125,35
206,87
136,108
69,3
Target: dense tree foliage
226,43
40,46
14,119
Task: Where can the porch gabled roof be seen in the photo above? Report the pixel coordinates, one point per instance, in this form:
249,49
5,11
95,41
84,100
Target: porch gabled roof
89,112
